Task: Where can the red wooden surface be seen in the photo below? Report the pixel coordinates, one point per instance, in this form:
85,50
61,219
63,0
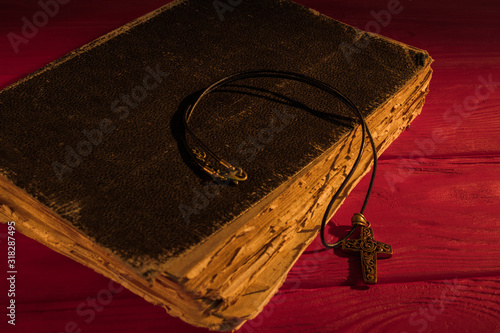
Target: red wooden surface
436,199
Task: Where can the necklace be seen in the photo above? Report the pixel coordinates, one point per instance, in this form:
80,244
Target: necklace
368,248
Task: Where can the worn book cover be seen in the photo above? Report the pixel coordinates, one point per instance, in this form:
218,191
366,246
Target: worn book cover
90,147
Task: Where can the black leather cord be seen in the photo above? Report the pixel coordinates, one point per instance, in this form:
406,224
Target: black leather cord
236,174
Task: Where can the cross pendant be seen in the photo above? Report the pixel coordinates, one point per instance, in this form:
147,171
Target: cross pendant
369,250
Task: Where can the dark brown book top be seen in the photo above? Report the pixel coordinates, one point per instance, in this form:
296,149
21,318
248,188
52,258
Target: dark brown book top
95,135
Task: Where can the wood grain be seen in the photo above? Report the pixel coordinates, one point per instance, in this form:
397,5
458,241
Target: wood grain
441,219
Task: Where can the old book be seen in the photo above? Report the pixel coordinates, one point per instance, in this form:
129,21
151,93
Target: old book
91,163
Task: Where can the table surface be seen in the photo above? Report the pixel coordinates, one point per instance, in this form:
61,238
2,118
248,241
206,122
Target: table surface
436,197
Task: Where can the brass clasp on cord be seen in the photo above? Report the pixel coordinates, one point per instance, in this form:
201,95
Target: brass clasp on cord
230,174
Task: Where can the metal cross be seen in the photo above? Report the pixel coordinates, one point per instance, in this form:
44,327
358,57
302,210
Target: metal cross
369,250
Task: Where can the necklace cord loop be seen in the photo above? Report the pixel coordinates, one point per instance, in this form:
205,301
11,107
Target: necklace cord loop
230,173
